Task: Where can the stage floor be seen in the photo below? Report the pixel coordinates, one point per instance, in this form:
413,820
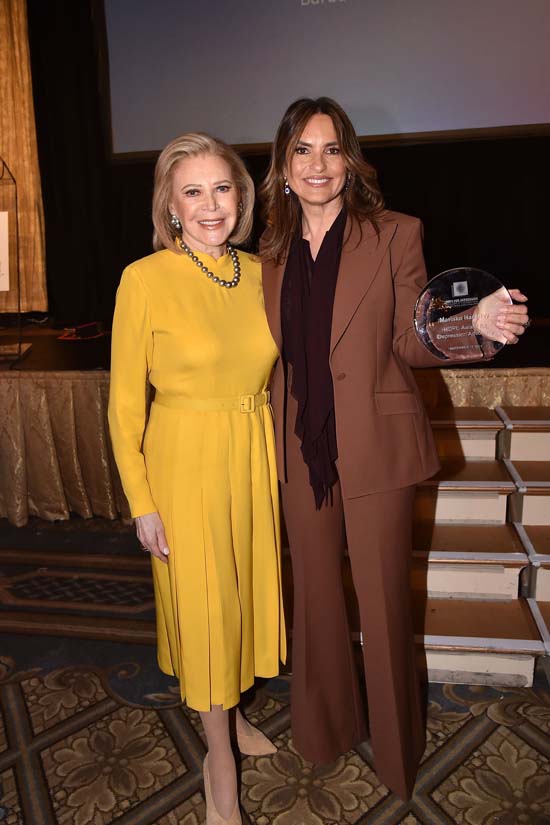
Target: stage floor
48,353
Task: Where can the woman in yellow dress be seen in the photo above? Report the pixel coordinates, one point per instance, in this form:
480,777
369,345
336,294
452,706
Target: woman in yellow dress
199,471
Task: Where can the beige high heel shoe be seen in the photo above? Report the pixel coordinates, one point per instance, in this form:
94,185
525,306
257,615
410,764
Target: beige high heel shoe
212,815
255,743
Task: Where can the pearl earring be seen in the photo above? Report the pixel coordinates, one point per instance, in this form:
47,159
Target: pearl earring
175,222
287,187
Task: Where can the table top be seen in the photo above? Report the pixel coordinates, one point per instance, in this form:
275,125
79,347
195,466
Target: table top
49,354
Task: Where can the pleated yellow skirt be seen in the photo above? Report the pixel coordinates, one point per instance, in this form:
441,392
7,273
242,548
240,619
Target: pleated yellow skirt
219,612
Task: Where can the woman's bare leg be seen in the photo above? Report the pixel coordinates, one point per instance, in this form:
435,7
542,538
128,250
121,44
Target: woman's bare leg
221,762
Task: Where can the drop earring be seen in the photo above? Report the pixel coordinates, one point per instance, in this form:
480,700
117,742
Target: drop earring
175,222
287,187
348,180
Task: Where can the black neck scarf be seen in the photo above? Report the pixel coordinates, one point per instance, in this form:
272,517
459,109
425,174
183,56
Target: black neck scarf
307,300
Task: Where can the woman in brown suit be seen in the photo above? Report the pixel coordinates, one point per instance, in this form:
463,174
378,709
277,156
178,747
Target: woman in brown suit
341,275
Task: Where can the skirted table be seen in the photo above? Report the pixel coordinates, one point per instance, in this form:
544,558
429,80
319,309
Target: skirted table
55,451
56,456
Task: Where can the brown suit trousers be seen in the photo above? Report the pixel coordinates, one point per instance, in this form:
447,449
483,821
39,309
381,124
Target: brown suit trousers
327,714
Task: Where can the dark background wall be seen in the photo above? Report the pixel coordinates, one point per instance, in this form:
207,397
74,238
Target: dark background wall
483,203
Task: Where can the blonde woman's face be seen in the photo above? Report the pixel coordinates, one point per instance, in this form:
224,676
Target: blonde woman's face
316,171
205,199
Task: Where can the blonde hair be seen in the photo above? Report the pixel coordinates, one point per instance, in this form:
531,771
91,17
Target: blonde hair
191,145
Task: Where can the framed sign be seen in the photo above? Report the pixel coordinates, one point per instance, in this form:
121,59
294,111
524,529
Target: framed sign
9,240
4,252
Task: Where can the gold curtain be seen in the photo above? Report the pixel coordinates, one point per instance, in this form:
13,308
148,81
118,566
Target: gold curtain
19,151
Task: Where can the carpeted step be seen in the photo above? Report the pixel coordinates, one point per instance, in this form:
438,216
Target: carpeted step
479,642
467,432
79,626
535,538
471,561
527,433
535,506
533,475
531,504
543,606
84,595
474,490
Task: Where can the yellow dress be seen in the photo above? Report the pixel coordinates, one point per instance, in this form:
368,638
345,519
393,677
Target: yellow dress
210,473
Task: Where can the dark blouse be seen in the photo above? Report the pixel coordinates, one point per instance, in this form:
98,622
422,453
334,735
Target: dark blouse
307,300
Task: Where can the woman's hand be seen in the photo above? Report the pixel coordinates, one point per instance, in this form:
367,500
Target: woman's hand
150,533
496,319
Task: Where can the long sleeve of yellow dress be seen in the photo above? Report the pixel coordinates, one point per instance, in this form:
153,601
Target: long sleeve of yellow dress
131,355
209,473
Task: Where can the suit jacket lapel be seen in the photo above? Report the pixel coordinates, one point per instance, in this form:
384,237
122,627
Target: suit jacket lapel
360,261
272,277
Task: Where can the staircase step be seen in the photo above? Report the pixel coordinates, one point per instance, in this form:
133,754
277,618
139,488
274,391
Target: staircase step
532,480
467,542
544,608
533,475
467,561
474,490
78,626
479,642
536,540
465,418
505,626
529,445
539,535
527,435
457,474
535,506
525,417
468,432
132,562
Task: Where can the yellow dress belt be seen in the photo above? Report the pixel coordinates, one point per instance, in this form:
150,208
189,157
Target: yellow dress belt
242,403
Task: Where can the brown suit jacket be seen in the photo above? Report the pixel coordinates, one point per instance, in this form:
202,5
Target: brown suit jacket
384,436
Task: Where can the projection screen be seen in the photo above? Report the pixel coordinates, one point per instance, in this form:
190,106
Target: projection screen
231,67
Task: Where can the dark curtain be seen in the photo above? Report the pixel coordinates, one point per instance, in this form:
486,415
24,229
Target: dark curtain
75,172
483,203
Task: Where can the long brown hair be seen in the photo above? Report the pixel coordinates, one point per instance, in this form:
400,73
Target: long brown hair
282,213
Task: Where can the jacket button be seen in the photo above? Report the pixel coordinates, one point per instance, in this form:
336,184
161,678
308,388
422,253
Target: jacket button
340,376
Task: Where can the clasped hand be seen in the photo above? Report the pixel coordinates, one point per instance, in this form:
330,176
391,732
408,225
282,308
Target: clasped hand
498,320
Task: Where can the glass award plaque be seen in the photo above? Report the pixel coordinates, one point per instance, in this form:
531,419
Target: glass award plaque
456,314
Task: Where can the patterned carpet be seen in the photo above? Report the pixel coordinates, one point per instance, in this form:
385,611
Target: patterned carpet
92,733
